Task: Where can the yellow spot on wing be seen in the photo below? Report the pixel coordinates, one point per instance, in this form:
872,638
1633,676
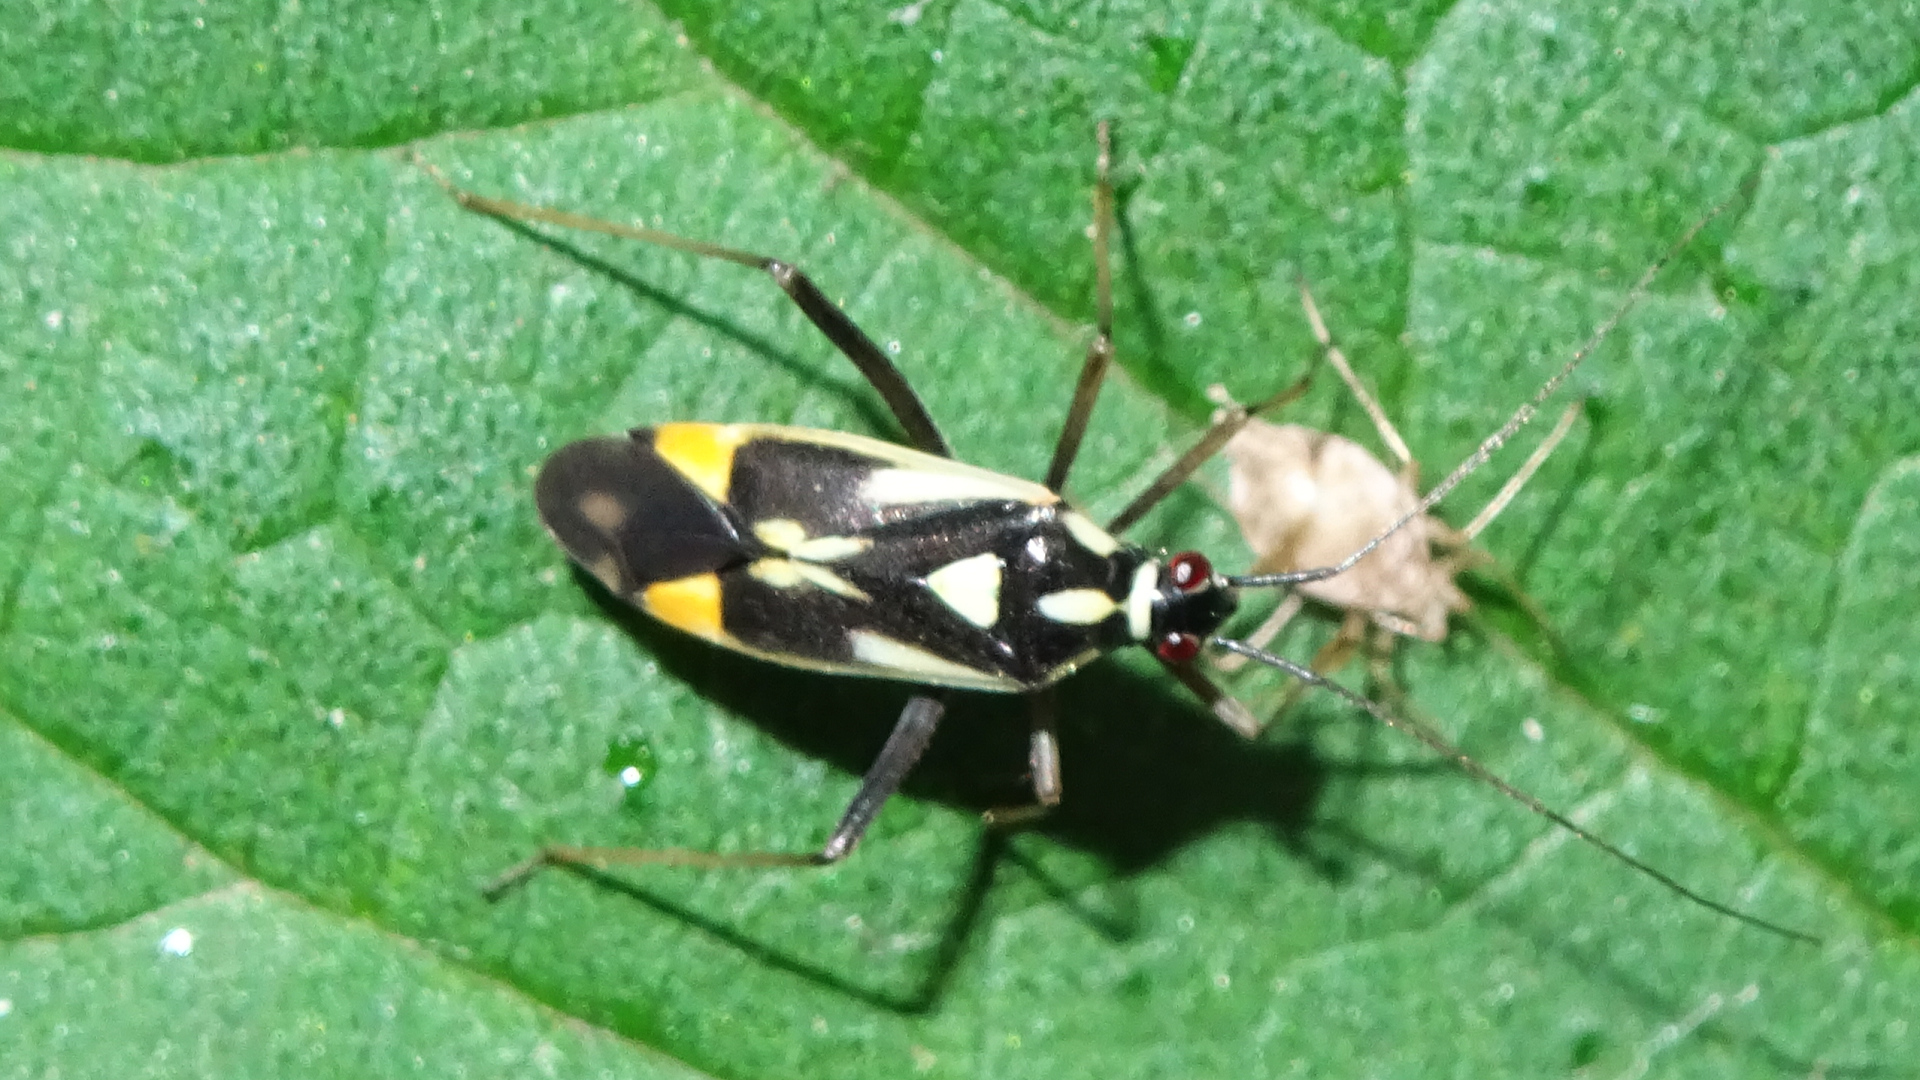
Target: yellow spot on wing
691,604
606,512
703,453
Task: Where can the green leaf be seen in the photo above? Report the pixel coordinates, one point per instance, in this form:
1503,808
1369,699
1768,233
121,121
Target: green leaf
289,668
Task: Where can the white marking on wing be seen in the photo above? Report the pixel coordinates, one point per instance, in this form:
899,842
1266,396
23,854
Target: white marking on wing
1091,536
971,587
912,661
906,487
1076,607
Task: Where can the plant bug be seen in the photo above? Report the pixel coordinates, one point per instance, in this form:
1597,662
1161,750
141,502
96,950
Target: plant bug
847,554
1304,498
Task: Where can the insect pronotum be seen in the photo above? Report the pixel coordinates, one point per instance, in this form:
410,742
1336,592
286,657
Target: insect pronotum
847,554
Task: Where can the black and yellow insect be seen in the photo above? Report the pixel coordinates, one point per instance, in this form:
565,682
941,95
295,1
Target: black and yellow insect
850,555
845,554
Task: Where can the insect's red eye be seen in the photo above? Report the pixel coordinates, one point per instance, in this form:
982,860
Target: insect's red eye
1189,570
1178,648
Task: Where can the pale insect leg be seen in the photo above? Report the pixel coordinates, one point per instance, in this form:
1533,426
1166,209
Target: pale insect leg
1338,361
1520,417
1043,764
1421,731
1266,632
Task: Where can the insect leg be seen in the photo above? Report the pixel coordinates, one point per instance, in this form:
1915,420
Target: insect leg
1043,762
1337,653
1338,361
1515,422
1100,351
845,334
904,746
1226,424
1266,632
1225,708
1525,473
1334,655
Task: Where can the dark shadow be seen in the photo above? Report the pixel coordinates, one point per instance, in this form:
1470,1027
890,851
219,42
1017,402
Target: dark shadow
920,999
1147,770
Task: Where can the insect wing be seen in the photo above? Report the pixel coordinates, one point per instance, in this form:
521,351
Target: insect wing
632,519
838,553
888,562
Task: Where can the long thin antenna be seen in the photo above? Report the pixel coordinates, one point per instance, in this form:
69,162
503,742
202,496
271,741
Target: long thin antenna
1439,744
1514,423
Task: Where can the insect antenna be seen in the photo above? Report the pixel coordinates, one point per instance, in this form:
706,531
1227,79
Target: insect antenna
1469,765
1519,419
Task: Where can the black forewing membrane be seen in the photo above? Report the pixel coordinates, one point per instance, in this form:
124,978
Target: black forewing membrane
623,513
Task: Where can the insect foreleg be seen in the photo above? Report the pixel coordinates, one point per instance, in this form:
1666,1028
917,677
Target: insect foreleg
1224,428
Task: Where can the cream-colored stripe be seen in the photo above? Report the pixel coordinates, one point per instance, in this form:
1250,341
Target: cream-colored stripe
1140,598
1076,607
906,487
1091,536
912,661
971,587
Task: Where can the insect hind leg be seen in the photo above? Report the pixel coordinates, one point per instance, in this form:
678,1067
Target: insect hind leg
911,734
845,334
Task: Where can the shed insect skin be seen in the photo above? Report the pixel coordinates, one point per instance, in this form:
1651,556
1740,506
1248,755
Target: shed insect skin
659,516
1304,498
